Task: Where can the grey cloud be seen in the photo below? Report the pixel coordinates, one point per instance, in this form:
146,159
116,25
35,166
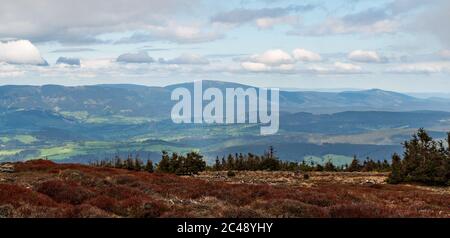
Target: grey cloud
239,16
389,18
73,50
435,21
150,48
156,49
141,57
368,16
171,34
82,21
68,61
234,56
137,37
402,6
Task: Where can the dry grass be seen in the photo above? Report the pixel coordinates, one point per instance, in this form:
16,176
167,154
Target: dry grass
296,179
45,189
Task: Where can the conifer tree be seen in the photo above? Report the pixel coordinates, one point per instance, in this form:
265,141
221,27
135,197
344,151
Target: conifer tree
329,166
396,174
424,160
118,162
224,164
137,164
217,165
354,165
164,164
149,166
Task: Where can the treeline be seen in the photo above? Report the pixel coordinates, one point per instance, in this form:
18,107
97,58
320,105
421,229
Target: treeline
270,162
191,163
424,160
251,162
367,165
130,163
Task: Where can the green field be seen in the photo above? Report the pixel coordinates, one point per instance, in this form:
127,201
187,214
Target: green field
24,139
4,154
98,148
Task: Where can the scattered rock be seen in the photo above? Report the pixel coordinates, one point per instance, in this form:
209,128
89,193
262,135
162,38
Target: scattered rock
368,183
6,180
7,168
71,175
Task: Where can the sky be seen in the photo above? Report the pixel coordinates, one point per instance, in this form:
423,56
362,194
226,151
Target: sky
398,45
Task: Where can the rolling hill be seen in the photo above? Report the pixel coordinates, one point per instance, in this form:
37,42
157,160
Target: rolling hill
85,123
136,100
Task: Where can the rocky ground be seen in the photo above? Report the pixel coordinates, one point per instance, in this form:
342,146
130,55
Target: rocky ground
297,179
45,189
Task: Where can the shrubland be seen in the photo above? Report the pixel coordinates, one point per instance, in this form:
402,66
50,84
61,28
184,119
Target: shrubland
45,189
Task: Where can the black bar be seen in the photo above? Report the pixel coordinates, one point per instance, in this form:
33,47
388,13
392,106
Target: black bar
171,227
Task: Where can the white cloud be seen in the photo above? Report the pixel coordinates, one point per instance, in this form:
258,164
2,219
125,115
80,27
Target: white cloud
11,74
336,68
317,69
20,52
187,59
325,69
255,67
286,67
97,63
345,67
274,57
364,56
305,55
259,67
10,71
278,61
270,60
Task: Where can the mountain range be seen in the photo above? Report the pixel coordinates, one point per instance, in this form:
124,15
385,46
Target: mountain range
85,123
136,100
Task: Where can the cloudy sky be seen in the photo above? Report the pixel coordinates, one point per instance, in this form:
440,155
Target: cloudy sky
401,45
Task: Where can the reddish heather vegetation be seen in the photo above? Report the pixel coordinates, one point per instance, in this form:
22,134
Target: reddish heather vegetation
44,189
